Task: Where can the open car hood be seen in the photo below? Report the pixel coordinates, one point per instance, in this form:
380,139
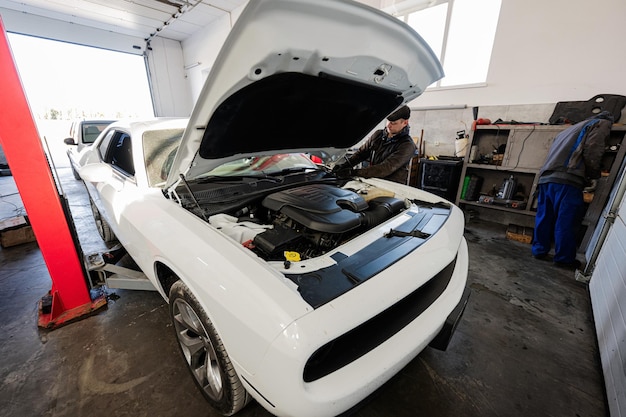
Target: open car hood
301,75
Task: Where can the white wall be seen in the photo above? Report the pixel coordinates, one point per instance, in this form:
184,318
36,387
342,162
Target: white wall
549,51
545,52
203,48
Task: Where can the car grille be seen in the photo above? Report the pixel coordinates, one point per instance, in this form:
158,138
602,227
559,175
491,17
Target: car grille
370,334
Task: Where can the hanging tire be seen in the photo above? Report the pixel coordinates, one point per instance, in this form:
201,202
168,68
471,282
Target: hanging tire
104,230
204,353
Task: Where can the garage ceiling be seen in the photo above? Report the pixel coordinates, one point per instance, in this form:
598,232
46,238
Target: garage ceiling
172,19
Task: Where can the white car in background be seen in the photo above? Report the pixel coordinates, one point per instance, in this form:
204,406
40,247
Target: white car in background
285,283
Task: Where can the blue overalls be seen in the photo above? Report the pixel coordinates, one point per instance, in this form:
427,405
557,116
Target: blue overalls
560,210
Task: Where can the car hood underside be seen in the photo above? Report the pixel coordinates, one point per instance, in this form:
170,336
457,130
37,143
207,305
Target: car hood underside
302,75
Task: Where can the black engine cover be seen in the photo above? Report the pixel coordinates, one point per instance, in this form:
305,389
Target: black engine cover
319,207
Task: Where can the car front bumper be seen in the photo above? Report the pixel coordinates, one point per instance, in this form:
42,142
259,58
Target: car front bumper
279,383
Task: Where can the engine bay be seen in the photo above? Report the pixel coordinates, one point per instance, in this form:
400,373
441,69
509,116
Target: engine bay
298,222
314,219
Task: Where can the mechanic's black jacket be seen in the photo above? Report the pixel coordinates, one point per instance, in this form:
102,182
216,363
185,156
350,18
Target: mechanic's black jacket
576,152
388,157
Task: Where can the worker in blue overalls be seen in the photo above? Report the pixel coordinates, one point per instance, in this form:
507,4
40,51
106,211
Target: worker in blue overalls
573,162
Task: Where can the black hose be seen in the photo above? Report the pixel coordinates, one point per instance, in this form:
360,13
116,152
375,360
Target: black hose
381,209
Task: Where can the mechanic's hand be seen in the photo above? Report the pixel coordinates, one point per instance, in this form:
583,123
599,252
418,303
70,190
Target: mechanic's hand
343,171
338,167
591,187
341,167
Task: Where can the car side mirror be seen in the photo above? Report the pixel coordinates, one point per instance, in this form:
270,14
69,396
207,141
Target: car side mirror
96,172
69,141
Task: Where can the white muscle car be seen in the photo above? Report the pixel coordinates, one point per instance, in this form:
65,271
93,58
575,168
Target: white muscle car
285,283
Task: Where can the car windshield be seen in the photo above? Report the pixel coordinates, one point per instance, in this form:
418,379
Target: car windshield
91,130
263,166
159,149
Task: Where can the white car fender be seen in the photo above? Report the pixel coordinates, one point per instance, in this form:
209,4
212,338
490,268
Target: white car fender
241,297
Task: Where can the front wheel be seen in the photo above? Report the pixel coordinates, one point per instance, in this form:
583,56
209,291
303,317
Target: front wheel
101,224
204,353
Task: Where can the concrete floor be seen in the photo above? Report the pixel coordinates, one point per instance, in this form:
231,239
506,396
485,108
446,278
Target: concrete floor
525,347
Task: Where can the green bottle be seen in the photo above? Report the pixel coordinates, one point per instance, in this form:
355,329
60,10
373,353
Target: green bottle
466,182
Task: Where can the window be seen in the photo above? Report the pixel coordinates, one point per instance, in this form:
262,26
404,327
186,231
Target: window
430,23
91,130
119,153
461,33
159,149
104,144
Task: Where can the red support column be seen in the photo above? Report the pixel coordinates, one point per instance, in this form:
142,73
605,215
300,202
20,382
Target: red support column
69,297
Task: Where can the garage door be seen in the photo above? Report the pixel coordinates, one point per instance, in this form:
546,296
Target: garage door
608,297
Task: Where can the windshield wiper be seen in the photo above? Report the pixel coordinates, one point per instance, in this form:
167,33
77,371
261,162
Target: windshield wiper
438,204
412,233
230,178
292,170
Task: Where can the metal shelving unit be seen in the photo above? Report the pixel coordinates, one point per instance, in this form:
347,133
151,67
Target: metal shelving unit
500,151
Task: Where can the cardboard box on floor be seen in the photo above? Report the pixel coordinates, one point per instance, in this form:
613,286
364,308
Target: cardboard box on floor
15,231
519,233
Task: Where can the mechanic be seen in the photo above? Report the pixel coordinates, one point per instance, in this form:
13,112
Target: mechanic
388,151
573,162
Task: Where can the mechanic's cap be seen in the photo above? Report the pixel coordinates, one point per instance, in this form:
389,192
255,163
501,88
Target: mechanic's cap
403,112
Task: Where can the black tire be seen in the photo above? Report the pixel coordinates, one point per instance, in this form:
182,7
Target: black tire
74,172
204,353
104,230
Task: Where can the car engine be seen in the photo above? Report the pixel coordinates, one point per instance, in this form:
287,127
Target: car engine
305,221
314,219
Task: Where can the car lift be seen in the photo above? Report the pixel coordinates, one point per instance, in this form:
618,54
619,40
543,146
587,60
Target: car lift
70,297
103,267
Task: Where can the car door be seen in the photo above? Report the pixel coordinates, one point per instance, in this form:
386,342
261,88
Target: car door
115,193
